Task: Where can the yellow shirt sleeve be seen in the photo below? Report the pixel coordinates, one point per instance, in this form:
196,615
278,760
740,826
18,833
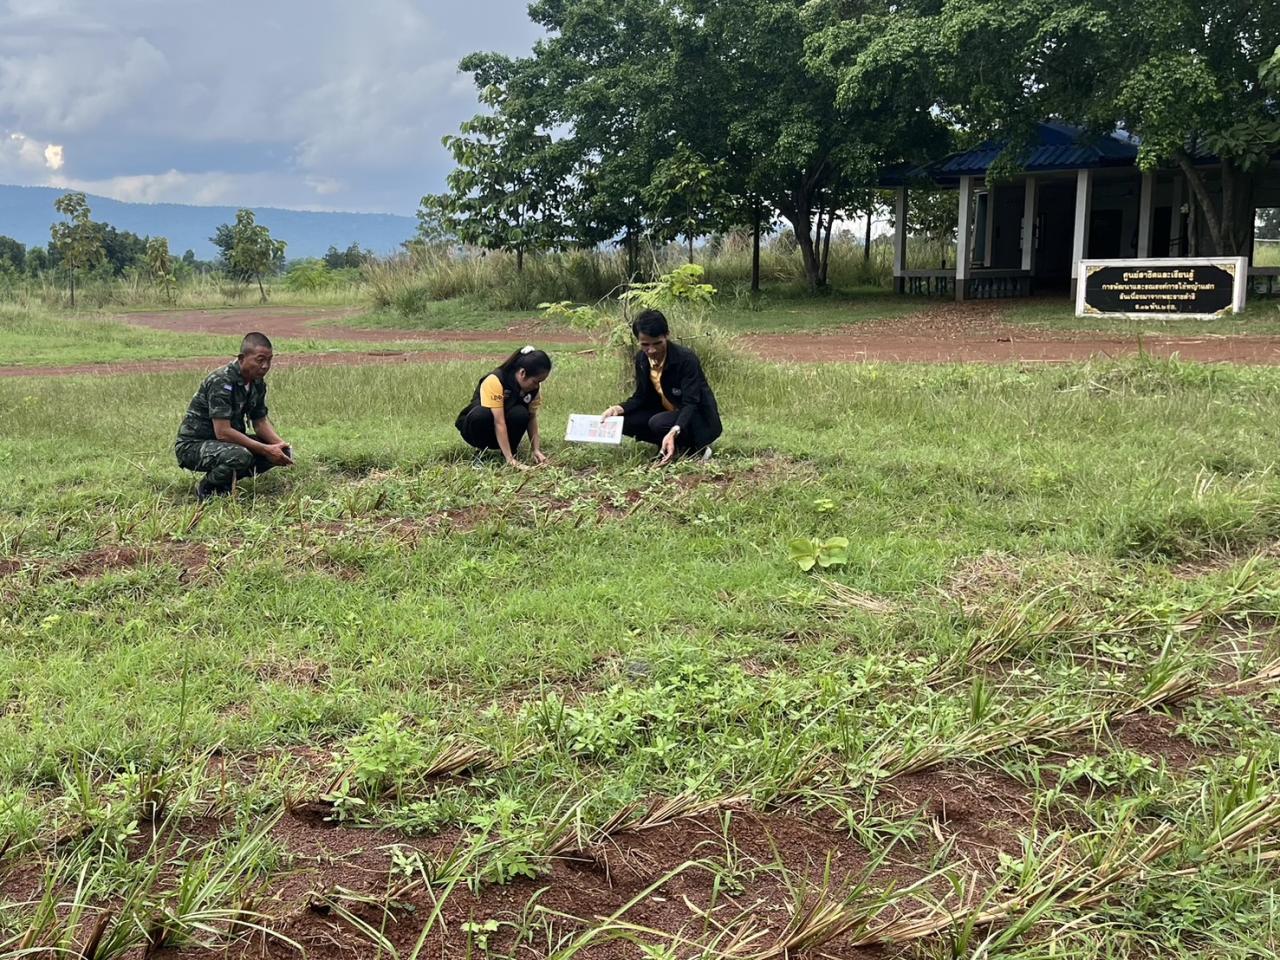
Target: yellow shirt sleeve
491,393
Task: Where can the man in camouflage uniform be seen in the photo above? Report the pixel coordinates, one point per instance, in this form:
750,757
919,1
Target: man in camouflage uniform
213,439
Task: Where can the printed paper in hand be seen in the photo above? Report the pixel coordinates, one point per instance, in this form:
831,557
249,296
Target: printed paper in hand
588,428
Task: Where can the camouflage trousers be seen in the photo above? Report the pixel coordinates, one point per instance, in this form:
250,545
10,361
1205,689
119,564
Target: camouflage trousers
222,463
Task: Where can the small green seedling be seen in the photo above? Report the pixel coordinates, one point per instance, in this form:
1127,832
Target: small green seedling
822,553
479,933
824,505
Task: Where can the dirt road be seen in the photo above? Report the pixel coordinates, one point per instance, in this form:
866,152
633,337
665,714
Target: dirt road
970,333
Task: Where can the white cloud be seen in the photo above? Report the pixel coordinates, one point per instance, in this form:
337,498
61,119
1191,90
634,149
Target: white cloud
324,186
190,100
25,158
79,82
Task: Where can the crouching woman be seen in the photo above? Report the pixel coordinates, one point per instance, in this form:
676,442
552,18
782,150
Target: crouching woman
505,405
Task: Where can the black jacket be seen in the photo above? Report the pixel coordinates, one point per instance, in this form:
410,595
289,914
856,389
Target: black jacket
685,386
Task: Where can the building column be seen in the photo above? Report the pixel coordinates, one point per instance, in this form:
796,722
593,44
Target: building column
1175,218
900,240
1146,206
1080,238
1029,201
964,229
989,246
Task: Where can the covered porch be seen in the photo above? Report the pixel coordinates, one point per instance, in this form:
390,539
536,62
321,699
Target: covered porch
1075,199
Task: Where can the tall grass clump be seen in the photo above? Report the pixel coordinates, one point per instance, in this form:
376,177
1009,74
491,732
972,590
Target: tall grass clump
410,282
307,283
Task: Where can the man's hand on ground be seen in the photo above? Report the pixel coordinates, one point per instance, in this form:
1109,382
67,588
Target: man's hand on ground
278,455
668,449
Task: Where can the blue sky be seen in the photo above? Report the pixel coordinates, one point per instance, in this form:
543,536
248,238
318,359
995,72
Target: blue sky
313,104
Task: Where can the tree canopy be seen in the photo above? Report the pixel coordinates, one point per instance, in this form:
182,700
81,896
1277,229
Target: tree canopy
655,119
248,250
77,240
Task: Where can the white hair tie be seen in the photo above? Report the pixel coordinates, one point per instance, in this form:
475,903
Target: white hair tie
527,348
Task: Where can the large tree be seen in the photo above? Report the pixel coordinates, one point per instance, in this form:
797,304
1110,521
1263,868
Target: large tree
685,196
505,193
1185,77
13,253
604,79
629,81
77,240
160,265
248,250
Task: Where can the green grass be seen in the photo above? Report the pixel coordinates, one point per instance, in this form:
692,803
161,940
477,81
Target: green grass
501,665
41,338
778,310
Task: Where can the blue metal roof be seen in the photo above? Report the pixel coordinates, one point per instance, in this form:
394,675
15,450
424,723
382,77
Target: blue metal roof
1057,146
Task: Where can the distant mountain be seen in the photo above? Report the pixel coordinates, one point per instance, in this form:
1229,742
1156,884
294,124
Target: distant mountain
27,212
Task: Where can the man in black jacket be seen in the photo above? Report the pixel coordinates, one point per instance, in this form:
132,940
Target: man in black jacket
672,406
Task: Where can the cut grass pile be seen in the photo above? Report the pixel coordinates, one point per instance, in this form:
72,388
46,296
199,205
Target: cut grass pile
386,702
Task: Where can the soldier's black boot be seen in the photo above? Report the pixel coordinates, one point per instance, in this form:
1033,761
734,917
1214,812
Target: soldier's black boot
205,490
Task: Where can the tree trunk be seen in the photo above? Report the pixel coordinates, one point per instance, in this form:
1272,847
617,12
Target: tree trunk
1229,224
866,241
262,293
805,241
629,244
71,275
690,237
817,231
826,244
519,259
755,250
797,207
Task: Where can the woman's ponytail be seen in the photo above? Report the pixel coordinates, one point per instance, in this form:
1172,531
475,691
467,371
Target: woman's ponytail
530,359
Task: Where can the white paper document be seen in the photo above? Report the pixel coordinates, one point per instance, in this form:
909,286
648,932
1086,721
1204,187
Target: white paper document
589,428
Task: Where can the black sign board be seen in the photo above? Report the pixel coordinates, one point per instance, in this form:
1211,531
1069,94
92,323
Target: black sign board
1170,288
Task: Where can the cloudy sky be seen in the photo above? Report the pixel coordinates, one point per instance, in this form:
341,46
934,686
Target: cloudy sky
314,104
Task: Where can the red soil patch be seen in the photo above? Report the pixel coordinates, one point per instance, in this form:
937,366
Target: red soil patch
973,333
192,558
583,887
872,345
1155,735
982,809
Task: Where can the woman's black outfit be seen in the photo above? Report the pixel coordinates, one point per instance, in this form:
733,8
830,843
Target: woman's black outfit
476,423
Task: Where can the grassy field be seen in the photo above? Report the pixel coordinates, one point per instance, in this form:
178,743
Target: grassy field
387,704
37,337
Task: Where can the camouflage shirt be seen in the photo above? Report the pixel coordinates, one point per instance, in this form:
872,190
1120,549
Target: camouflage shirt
223,396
